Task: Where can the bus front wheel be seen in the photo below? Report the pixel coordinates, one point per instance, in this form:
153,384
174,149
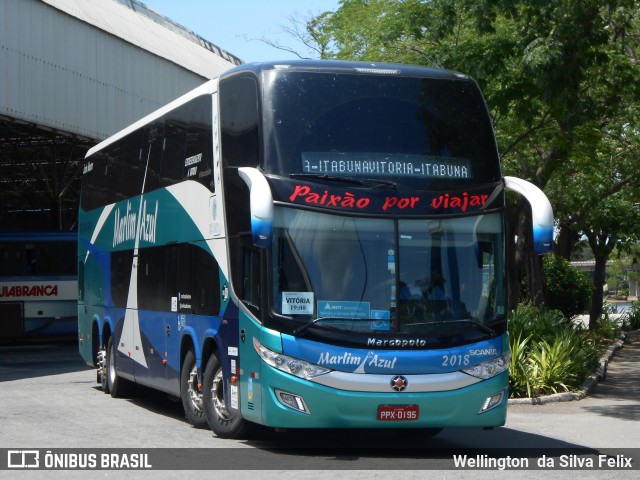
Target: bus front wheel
223,422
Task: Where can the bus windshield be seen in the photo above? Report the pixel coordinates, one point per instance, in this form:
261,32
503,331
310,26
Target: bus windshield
412,276
423,133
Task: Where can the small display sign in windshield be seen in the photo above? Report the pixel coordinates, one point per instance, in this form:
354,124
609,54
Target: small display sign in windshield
343,309
387,165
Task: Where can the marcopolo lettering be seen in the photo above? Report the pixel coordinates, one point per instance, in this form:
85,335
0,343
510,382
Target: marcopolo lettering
396,342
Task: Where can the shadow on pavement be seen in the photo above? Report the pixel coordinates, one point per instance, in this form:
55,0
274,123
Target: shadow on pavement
399,450
30,360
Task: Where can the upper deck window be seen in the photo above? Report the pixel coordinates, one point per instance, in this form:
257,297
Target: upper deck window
427,133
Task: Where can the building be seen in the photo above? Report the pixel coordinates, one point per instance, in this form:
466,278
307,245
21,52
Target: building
73,72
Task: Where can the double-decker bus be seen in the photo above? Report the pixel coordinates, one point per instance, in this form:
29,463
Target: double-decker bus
38,285
305,245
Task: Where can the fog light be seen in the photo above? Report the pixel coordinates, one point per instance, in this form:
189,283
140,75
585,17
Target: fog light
492,402
295,402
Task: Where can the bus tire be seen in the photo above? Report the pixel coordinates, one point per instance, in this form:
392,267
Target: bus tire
223,423
117,386
190,393
103,371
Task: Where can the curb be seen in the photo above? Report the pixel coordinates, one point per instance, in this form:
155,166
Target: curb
587,385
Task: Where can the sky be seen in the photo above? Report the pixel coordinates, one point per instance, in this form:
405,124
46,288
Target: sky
238,26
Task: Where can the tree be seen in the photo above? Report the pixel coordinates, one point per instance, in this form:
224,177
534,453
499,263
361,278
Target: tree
561,79
604,231
568,289
308,31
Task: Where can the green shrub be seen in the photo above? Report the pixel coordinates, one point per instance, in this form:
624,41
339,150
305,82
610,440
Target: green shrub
608,328
631,320
568,289
548,353
519,378
537,322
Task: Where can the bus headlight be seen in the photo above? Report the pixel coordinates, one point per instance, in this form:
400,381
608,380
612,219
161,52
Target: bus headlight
291,365
490,368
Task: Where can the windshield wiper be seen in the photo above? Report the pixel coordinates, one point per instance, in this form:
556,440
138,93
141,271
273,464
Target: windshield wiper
302,328
475,323
371,182
323,176
384,184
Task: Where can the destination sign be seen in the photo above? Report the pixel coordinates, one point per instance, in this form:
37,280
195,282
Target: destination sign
387,165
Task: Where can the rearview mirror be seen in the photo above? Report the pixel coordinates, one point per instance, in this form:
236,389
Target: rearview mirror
261,206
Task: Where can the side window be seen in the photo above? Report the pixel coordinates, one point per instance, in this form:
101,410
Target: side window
186,151
205,286
198,152
247,281
172,170
95,182
157,277
127,172
121,262
178,146
51,258
239,116
156,139
12,261
185,271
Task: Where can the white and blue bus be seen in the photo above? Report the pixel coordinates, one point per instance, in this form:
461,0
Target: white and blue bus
38,285
305,245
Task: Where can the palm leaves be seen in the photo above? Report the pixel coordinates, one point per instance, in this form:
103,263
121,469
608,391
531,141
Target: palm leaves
548,354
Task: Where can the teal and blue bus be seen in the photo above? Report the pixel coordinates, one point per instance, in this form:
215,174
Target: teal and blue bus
309,244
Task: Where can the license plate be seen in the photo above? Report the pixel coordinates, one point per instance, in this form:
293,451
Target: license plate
398,412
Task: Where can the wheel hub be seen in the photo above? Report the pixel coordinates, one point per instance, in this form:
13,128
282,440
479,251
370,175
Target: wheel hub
217,393
194,392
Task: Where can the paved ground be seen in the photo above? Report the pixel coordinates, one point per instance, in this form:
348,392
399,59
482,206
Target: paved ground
49,400
608,417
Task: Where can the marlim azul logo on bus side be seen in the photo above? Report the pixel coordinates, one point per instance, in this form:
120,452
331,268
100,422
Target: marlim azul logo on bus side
126,225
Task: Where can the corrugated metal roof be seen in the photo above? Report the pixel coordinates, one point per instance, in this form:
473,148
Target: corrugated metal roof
73,72
139,25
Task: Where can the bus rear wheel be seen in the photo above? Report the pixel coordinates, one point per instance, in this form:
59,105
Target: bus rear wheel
102,374
223,422
116,385
191,393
